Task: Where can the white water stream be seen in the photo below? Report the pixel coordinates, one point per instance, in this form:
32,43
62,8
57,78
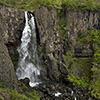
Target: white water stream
28,66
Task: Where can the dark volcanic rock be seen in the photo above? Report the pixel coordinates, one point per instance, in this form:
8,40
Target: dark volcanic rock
7,72
11,26
25,81
49,42
50,46
11,23
60,91
79,22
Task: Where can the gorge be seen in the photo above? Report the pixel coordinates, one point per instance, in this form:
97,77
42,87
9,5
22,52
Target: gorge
43,51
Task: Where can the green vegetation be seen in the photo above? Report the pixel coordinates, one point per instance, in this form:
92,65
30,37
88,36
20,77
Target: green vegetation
93,38
24,93
16,96
83,82
89,67
74,65
2,85
31,93
70,4
62,27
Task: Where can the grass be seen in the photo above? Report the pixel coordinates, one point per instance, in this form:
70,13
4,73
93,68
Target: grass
70,4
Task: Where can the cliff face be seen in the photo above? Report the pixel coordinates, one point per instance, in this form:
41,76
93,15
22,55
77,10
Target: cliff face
7,72
51,46
79,23
49,41
11,24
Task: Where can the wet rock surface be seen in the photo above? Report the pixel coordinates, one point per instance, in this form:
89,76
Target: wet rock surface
61,91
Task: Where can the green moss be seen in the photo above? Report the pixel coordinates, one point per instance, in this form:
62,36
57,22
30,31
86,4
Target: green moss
89,67
2,85
83,82
15,63
62,26
79,68
17,96
31,93
24,93
1,97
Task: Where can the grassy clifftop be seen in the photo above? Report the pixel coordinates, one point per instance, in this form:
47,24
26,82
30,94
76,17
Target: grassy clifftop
70,4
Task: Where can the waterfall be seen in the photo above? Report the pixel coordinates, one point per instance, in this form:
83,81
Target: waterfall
28,65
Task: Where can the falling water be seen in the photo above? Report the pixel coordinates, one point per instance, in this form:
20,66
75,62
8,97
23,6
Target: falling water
28,66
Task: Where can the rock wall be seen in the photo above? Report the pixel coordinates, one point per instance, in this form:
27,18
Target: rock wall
11,26
80,22
50,44
49,41
7,72
11,23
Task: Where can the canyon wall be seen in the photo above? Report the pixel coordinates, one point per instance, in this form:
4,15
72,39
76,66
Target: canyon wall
49,41
11,25
80,22
51,45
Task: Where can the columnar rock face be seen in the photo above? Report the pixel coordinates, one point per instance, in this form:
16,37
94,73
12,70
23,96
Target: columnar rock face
80,22
11,25
50,44
49,40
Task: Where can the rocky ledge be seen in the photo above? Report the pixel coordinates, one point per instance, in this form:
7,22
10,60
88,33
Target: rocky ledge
60,91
